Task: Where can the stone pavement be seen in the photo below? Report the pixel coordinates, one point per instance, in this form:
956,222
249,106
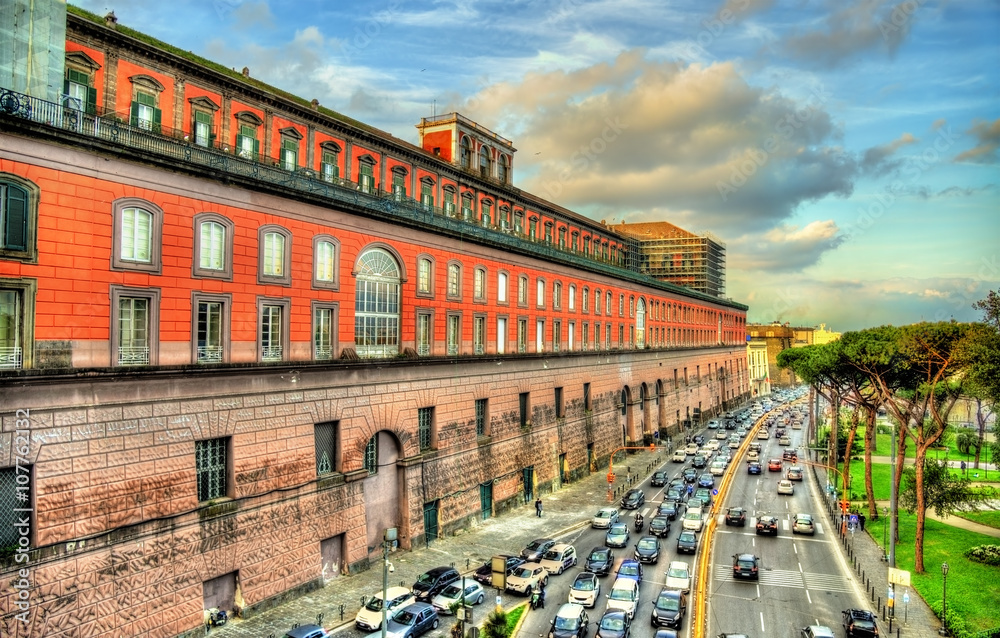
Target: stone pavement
563,510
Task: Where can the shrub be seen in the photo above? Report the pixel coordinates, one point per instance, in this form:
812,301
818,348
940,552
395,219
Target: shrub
985,554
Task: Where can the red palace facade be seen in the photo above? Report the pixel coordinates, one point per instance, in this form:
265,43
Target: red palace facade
241,335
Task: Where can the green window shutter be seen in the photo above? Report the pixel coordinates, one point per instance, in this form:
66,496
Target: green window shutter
76,76
91,100
204,118
256,149
16,219
239,142
66,86
157,114
134,118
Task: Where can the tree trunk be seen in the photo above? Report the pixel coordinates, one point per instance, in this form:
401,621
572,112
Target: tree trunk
870,415
851,433
918,540
981,422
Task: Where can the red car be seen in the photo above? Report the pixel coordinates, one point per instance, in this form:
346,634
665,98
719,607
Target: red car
774,465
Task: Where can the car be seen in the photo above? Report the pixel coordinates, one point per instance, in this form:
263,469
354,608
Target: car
753,456
713,445
570,622
659,479
803,524
600,561
412,621
604,518
755,447
733,444
690,475
613,624
794,473
624,596
762,434
369,617
698,439
721,435
310,631
677,481
647,549
699,460
774,465
790,455
617,536
706,480
669,609
630,569
585,590
485,572
432,582
537,548
767,524
659,526
817,631
746,566
753,467
687,542
680,456
633,499
785,487
736,516
690,449
452,595
713,424
668,509
675,495
559,558
704,495
693,520
718,468
860,623
679,576
526,577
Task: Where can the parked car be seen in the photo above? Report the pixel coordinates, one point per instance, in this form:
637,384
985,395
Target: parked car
617,536
600,561
570,622
537,548
369,617
736,516
785,487
669,609
679,576
485,573
659,526
767,524
803,524
687,542
647,549
453,593
412,621
624,596
746,566
559,558
659,479
613,624
860,623
680,456
604,518
633,499
432,582
525,577
309,631
585,590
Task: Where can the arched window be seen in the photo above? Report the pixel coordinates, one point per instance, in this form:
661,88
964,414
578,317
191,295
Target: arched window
640,324
485,162
504,170
376,305
465,153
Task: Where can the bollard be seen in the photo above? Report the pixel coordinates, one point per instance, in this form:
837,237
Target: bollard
319,619
341,612
467,562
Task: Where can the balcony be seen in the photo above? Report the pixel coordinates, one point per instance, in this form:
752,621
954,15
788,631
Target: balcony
271,353
11,358
133,356
210,354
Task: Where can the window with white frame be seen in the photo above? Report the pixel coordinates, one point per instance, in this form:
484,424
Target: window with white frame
501,335
454,281
479,334
135,325
454,333
425,276
324,331
522,335
557,295
376,304
540,293
211,327
273,324
501,287
213,244
540,335
17,321
522,291
424,333
274,255
479,284
325,254
572,297
329,166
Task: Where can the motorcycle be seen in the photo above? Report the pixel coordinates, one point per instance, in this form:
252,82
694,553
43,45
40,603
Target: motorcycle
639,523
217,617
537,599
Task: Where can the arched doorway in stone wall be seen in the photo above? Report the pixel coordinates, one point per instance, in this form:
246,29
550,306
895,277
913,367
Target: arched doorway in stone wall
645,420
627,415
382,489
661,406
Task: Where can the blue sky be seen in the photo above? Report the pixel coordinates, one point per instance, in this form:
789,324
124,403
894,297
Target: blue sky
845,151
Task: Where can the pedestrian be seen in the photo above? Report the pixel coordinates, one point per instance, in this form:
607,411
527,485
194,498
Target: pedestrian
538,508
861,520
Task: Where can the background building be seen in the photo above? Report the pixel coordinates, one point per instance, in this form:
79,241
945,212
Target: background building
243,334
673,254
757,365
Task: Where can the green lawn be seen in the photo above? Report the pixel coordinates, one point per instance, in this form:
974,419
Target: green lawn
968,595
983,517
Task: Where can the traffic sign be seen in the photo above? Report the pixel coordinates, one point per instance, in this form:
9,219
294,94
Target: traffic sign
854,519
715,492
906,597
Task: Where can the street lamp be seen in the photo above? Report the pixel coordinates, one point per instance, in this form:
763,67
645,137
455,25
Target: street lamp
388,538
944,600
885,521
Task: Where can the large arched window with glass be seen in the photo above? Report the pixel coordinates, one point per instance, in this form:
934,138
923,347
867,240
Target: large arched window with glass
376,305
640,324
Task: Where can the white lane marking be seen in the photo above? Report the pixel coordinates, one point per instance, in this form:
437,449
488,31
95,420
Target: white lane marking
796,549
808,597
762,622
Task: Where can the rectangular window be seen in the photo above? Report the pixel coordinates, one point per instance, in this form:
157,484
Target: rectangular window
533,229
586,397
210,331
607,336
597,336
366,178
482,416
501,335
16,494
274,255
203,128
540,335
621,336
82,96
560,404
423,333
479,334
212,247
487,217
449,203
329,166
479,285
133,331
289,154
11,331
548,233
454,333
398,186
323,333
502,288
585,336
522,335
271,325
371,455
212,468
427,195
522,291
519,223
425,424
556,336
467,208
524,409
570,336
424,276
144,114
325,435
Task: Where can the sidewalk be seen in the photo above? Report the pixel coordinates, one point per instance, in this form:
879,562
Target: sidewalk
339,601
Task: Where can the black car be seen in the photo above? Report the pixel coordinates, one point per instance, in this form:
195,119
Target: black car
600,561
860,623
647,549
537,548
614,624
699,461
699,439
570,622
485,573
669,609
659,479
767,525
690,475
753,467
432,582
687,542
669,510
746,566
659,526
677,482
677,495
736,516
633,499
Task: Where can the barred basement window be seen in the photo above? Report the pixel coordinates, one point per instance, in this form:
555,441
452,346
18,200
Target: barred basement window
325,435
211,466
482,406
14,495
425,424
371,455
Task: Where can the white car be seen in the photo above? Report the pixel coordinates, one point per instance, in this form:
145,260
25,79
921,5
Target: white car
451,594
559,558
785,487
604,518
713,424
679,576
680,456
691,449
624,596
713,444
369,617
692,520
753,455
525,577
718,468
586,589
